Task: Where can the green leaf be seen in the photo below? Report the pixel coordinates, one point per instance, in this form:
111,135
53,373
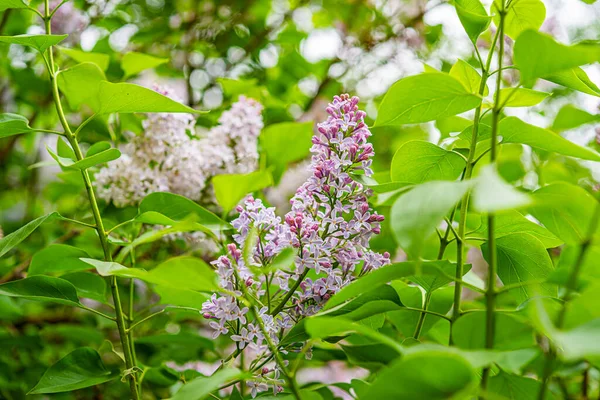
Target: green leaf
576,79
100,59
88,285
38,42
580,342
452,124
418,161
201,387
178,208
416,214
130,98
468,76
570,117
565,209
133,63
423,98
387,274
513,130
324,327
184,273
6,4
538,55
57,258
284,143
492,194
79,369
80,84
521,15
231,188
11,240
42,288
180,297
13,124
468,332
97,148
510,222
523,258
88,162
473,17
431,283
511,386
425,374
521,97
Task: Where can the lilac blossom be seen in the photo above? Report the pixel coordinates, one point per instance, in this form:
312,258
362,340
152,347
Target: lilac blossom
328,228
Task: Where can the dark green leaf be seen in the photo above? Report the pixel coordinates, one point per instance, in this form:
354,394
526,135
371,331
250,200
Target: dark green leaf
284,143
468,332
58,258
79,369
42,288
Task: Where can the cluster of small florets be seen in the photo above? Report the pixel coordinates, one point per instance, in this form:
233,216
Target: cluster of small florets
329,228
169,157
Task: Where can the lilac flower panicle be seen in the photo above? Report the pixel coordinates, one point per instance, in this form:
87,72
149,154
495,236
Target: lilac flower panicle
329,228
169,157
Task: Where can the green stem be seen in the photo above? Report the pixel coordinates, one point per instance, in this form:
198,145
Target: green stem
490,319
95,210
290,293
422,316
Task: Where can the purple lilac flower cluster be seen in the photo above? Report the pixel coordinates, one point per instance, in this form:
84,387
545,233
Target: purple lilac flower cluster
329,228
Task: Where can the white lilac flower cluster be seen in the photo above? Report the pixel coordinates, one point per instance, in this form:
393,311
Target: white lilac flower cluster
169,157
328,228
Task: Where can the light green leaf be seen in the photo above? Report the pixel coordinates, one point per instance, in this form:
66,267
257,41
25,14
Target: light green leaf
13,124
133,63
201,387
79,369
416,214
180,297
538,55
231,188
473,17
513,130
178,208
57,258
468,76
11,240
468,332
324,327
509,222
423,98
130,98
521,15
565,209
80,84
6,4
185,273
426,374
431,282
419,161
523,258
100,59
97,148
580,342
521,97
88,162
42,288
570,117
452,124
492,194
576,79
38,42
284,143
